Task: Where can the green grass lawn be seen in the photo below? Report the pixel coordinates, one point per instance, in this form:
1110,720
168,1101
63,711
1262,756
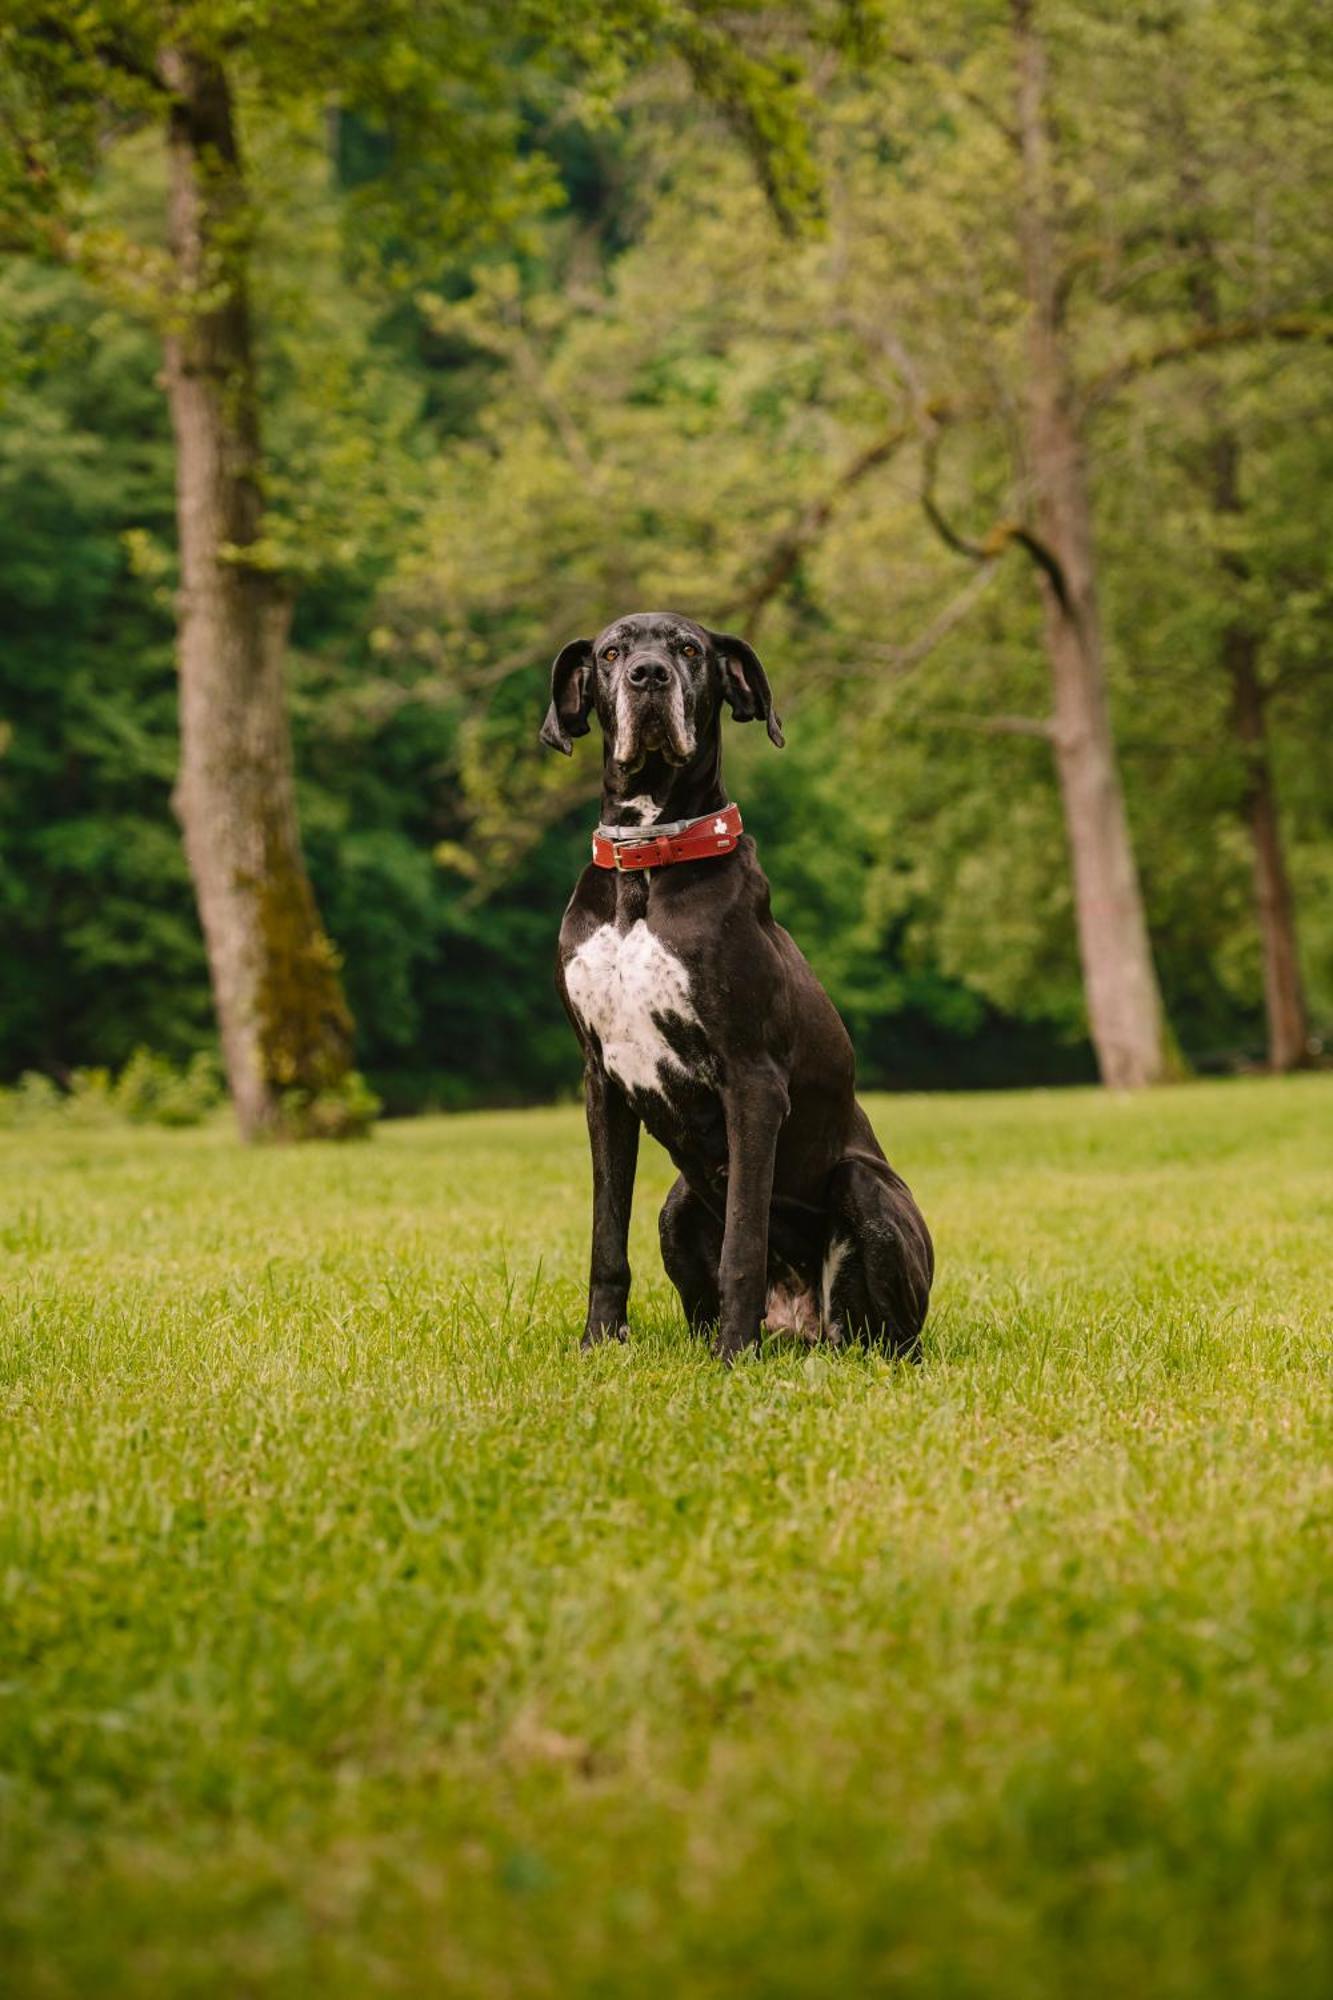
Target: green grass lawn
357,1636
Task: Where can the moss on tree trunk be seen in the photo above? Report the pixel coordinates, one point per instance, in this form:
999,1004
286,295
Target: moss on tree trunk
285,1028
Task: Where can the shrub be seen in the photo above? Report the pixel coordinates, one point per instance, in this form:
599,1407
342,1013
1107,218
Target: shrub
347,1111
150,1090
34,1099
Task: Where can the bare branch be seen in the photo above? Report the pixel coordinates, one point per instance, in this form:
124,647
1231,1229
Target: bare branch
901,661
942,76
785,554
1107,253
974,551
1206,340
944,622
998,537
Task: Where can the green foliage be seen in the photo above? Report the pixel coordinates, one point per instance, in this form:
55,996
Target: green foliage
607,376
150,1090
345,1110
362,1637
658,443
101,949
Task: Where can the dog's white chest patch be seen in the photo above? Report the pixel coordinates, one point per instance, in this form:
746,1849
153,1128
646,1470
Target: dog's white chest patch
622,985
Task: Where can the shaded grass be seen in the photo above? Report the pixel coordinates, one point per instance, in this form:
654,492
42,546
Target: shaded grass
357,1635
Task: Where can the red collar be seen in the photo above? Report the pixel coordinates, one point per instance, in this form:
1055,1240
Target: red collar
624,848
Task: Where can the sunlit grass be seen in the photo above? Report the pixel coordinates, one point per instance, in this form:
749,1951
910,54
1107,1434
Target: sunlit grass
358,1636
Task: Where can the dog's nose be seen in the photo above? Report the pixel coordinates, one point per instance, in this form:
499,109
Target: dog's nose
648,674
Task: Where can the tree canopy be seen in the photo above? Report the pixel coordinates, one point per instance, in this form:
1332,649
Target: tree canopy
570,353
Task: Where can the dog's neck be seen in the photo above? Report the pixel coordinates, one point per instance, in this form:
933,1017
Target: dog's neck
658,792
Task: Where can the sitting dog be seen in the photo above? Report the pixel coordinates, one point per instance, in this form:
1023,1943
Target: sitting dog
700,1019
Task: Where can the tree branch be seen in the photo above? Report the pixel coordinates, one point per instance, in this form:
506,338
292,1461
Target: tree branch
896,663
1204,340
942,76
785,554
1305,673
997,539
901,658
1105,254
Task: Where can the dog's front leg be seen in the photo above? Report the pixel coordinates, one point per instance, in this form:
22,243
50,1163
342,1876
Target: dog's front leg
755,1104
613,1132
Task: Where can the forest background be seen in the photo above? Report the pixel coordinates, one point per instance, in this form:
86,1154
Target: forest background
972,360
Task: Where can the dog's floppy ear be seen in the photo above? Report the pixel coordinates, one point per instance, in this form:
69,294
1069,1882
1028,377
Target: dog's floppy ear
745,684
571,696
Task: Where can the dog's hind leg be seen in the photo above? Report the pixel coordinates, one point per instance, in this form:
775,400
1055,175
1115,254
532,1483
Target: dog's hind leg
879,1261
691,1237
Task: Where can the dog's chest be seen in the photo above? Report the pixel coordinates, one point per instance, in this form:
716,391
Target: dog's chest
633,993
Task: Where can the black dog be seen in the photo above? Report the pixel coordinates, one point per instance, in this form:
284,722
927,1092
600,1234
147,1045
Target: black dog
700,1019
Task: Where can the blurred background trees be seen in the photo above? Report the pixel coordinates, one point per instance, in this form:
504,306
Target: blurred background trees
971,357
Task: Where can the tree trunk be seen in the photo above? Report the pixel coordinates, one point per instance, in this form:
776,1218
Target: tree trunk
1275,913
283,1021
1284,995
1124,1003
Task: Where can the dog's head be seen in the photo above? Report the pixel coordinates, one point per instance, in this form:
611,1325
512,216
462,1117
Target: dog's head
656,681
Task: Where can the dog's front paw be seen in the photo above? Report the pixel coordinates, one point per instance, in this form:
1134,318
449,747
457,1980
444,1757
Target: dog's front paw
595,1334
729,1345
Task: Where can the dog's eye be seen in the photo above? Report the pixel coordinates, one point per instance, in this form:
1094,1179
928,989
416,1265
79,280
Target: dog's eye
611,653
690,652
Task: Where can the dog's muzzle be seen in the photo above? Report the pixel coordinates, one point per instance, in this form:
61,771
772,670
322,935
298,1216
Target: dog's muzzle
650,712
